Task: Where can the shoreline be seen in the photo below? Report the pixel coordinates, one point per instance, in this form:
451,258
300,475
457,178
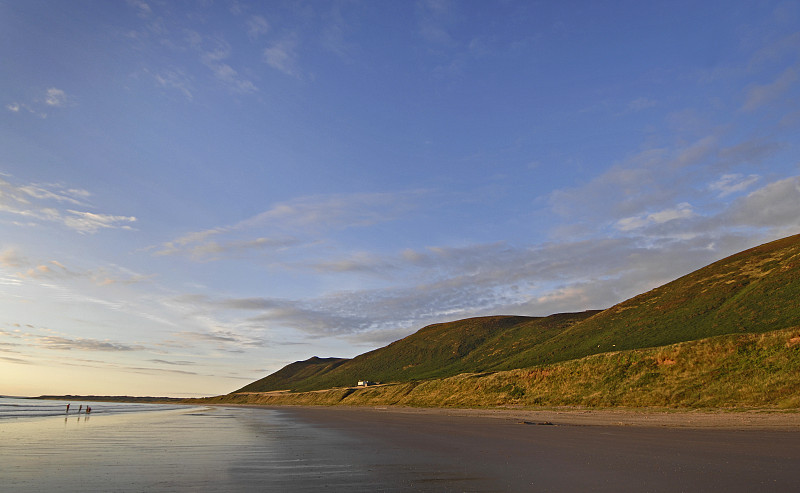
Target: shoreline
245,447
727,419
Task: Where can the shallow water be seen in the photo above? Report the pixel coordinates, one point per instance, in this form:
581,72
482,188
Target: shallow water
175,448
180,449
12,408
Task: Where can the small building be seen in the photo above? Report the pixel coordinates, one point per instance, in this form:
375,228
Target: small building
365,383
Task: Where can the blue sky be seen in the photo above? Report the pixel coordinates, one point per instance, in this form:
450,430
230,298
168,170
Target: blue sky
194,194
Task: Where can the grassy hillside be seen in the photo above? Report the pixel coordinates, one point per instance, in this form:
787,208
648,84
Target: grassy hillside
736,370
299,371
439,350
754,291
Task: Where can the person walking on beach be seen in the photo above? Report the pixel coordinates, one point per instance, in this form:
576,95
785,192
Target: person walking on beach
67,408
88,409
80,408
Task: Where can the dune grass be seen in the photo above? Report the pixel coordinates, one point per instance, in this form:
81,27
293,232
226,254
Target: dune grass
754,291
436,351
729,371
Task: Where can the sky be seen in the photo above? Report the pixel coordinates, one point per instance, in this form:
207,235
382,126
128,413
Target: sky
194,194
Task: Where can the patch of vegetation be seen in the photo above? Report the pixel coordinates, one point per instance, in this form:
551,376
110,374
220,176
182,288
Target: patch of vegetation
439,350
286,377
750,370
753,292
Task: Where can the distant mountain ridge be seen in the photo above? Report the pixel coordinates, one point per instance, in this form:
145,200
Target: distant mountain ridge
754,291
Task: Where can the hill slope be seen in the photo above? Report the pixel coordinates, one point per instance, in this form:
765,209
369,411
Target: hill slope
729,371
285,378
753,291
439,350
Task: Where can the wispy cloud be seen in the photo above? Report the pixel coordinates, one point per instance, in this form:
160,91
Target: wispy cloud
84,344
640,104
177,80
18,361
282,56
775,51
142,8
89,222
434,17
23,268
661,179
201,248
10,257
292,224
224,339
116,366
334,34
483,279
774,206
732,183
257,26
338,210
356,262
682,211
459,282
51,98
52,269
163,31
175,362
750,151
39,202
215,59
760,95
55,97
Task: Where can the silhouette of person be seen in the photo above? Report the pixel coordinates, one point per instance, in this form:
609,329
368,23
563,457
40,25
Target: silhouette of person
88,409
67,408
80,408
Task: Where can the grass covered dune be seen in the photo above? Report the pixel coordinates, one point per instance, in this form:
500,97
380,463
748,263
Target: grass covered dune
726,336
729,371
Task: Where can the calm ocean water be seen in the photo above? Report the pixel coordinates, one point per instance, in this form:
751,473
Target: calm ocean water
136,448
16,408
123,447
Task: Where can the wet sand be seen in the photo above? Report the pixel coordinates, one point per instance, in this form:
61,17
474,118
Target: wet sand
499,450
355,449
731,420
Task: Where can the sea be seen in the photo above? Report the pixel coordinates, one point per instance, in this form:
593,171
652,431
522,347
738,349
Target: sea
143,447
16,408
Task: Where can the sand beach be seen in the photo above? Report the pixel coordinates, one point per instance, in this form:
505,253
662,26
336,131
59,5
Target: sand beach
391,449
579,450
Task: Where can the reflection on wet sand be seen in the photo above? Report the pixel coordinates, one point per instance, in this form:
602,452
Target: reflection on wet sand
310,449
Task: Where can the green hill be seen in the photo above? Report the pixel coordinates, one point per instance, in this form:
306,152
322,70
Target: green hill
733,371
285,378
754,291
439,350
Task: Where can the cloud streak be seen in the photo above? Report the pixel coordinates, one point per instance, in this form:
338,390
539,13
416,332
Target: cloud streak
761,95
84,344
282,56
52,98
294,223
732,183
484,279
37,203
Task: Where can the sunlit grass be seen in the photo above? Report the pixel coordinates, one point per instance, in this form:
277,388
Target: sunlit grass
723,336
730,371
